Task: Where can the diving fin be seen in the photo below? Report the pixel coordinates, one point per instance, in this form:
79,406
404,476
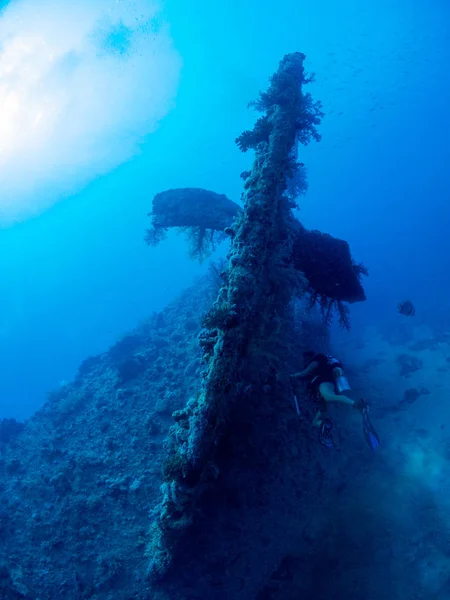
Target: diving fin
372,437
325,434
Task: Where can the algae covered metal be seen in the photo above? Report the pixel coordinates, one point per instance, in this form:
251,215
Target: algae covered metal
247,321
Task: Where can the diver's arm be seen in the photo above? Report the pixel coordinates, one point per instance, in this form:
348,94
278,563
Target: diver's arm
309,369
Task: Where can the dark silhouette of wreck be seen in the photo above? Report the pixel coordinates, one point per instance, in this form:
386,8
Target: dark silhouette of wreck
98,502
331,274
247,344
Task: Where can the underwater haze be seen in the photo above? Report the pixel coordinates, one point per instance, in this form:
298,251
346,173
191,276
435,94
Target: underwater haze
105,103
163,433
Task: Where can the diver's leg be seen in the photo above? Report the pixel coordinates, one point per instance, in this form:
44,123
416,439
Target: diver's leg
322,410
321,415
327,392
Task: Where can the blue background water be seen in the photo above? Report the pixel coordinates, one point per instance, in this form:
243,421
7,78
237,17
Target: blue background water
79,275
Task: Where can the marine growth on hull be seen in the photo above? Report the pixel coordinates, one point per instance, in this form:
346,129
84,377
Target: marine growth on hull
247,340
175,465
332,276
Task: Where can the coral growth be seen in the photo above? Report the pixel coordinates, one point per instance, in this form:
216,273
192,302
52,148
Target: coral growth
9,430
326,261
199,214
327,308
202,242
333,277
130,368
251,312
327,264
78,479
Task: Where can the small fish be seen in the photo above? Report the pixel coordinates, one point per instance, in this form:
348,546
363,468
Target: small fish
406,308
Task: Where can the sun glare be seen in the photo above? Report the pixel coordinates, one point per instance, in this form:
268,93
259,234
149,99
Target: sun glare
26,115
80,85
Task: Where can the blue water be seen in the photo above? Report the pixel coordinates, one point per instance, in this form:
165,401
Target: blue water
76,275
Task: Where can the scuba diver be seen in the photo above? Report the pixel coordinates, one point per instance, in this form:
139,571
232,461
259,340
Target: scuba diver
326,382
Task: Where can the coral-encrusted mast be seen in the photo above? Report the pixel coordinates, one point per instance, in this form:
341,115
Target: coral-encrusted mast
251,306
333,277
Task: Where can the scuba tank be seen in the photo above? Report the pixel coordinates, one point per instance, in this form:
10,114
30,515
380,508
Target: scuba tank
340,381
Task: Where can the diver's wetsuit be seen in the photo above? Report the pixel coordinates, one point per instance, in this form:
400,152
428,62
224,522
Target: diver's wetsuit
323,374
